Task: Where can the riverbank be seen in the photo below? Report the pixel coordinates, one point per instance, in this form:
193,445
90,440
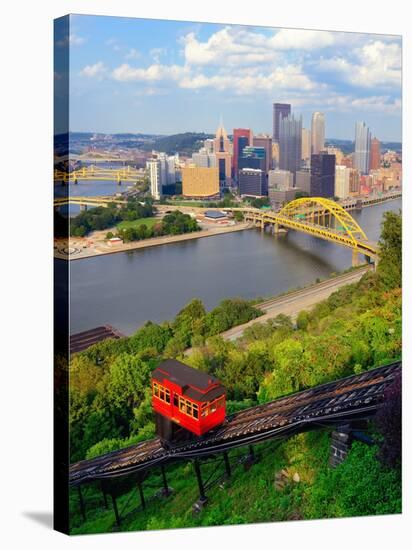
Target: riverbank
295,301
96,244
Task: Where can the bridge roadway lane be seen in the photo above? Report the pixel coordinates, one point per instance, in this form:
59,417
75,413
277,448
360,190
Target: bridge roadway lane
294,302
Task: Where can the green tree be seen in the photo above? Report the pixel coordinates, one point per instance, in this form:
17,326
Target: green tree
390,250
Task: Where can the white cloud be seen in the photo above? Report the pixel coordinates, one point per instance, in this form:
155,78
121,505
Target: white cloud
156,53
301,39
228,47
153,73
94,71
233,46
132,54
377,64
282,78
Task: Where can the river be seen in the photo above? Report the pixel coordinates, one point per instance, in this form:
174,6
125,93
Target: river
129,288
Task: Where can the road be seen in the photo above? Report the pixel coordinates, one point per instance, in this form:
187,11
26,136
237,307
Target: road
293,302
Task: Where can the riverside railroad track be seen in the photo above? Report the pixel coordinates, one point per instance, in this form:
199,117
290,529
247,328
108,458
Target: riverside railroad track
351,398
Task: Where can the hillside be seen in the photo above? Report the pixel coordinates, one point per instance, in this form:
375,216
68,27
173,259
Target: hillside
355,329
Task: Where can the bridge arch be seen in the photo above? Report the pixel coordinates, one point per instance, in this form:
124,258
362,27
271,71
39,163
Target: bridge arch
306,209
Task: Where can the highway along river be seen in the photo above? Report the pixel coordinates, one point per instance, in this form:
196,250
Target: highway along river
129,288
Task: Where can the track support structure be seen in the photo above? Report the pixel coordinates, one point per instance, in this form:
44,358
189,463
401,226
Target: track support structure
199,505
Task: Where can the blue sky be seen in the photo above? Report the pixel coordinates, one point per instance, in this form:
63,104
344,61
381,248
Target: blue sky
153,76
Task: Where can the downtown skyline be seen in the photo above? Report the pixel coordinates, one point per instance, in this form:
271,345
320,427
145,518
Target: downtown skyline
153,76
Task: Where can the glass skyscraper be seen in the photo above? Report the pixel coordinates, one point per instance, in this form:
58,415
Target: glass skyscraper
362,148
290,144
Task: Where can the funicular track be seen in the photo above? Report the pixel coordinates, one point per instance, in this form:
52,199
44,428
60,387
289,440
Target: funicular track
351,398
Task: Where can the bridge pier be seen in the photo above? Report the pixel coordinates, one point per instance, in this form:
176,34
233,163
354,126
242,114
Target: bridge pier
83,207
355,257
341,441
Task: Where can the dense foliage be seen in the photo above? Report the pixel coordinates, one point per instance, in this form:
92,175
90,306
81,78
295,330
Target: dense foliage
186,143
174,223
105,217
110,381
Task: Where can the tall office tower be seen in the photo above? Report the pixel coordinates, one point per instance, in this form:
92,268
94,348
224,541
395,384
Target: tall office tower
362,148
253,157
290,144
322,180
252,182
280,179
342,176
200,182
306,145
280,110
153,166
318,132
375,154
265,142
221,149
172,162
241,138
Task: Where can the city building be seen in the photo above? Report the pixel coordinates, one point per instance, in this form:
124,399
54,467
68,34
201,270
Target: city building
222,150
337,152
342,177
318,132
280,110
375,154
322,180
306,145
242,137
275,154
252,182
361,156
290,143
265,142
354,183
280,179
302,180
163,171
208,144
279,197
154,169
253,157
204,159
200,182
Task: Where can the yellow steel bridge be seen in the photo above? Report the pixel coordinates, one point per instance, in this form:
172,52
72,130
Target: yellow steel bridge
320,217
99,173
89,201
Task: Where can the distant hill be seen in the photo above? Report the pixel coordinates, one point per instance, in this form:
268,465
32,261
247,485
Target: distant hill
185,143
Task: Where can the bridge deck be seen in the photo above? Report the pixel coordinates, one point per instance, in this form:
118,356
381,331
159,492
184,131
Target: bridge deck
345,399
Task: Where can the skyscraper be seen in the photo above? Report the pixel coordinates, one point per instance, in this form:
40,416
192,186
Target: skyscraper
241,138
375,154
306,145
252,182
322,180
222,151
265,142
290,144
362,148
318,132
253,157
280,110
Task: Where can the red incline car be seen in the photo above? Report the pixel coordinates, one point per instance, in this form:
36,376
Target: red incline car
184,397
